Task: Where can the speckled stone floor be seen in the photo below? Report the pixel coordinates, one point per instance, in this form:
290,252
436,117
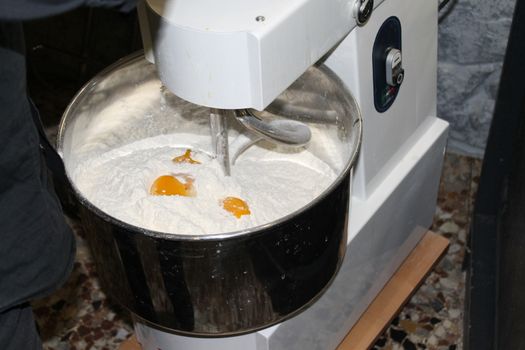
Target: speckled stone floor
79,316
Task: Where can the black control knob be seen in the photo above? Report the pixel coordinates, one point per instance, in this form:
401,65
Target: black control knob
399,77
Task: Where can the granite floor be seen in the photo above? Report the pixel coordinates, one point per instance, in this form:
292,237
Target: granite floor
79,316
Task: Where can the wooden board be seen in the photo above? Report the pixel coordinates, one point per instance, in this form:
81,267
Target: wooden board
130,344
396,293
389,301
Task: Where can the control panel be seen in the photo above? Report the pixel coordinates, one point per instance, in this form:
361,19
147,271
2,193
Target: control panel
387,63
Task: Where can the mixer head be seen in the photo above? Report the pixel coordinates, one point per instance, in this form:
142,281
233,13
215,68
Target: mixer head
238,54
241,55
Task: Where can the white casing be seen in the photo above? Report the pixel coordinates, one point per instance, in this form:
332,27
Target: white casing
394,189
216,54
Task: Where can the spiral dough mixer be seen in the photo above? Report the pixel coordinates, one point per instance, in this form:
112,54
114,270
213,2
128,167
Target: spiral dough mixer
240,59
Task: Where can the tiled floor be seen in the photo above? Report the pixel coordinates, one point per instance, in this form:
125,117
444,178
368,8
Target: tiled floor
79,316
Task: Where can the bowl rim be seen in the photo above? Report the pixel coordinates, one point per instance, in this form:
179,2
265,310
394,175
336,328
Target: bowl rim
356,134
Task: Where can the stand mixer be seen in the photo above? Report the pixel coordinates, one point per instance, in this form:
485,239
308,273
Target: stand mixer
237,57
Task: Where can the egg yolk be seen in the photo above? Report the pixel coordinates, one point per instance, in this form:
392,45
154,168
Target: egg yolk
185,158
236,206
169,185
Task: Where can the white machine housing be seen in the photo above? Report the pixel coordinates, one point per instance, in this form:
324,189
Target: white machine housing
395,181
234,54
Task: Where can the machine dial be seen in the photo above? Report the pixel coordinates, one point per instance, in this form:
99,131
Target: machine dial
363,10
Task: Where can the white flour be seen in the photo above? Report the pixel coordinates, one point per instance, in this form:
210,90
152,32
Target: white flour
274,184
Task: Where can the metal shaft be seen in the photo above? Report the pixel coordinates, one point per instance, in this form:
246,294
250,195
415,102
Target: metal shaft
219,137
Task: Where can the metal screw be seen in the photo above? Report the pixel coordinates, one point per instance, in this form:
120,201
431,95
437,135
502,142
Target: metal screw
260,18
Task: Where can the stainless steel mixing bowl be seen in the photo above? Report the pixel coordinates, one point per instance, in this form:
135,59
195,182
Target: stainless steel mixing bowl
217,284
